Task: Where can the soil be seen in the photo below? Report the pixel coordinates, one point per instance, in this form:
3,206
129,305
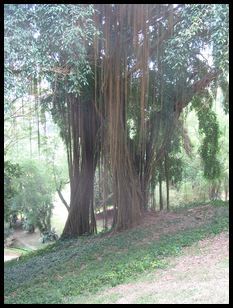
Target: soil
8,255
25,240
200,275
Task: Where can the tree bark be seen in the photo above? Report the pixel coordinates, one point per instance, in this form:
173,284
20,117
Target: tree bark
78,222
126,188
105,223
160,193
81,218
63,199
167,179
128,200
154,199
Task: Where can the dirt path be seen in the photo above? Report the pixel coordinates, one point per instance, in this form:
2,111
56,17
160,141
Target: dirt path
27,240
8,255
200,275
23,240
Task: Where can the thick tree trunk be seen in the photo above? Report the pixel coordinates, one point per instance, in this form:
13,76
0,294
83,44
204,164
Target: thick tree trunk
126,188
78,221
81,218
128,200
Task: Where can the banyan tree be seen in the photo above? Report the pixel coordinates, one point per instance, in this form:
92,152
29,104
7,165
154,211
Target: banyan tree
121,76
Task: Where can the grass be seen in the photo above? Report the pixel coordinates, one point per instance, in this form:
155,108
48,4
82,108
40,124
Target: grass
22,251
66,272
96,299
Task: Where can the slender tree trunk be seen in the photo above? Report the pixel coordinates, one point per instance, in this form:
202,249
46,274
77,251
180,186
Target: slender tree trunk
105,198
226,194
226,187
93,226
63,199
160,193
167,179
154,198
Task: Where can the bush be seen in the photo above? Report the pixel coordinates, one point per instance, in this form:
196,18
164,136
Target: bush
49,236
11,173
7,230
34,199
28,226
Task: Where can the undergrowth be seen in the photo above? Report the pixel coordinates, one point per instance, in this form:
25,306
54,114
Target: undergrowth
71,268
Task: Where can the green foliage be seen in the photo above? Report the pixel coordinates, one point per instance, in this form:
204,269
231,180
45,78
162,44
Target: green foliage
28,225
220,203
55,39
176,169
175,159
18,28
49,236
224,84
209,129
11,173
7,230
44,45
174,163
194,186
34,199
220,36
203,29
88,264
205,23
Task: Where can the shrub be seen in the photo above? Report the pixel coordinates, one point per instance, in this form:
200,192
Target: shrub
49,236
34,199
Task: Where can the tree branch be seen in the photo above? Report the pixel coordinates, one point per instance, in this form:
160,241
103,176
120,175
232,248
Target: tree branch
160,40
197,87
63,199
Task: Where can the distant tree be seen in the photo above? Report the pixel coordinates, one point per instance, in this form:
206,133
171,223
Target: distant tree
12,172
34,198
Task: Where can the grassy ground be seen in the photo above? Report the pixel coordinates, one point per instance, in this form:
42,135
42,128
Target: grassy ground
22,251
13,253
68,272
199,275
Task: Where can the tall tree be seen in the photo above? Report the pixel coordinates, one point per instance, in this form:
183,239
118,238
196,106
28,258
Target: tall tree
120,76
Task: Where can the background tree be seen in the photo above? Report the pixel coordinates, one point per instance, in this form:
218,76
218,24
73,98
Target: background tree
34,198
11,173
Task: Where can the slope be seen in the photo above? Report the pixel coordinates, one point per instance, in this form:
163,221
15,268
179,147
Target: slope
72,270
